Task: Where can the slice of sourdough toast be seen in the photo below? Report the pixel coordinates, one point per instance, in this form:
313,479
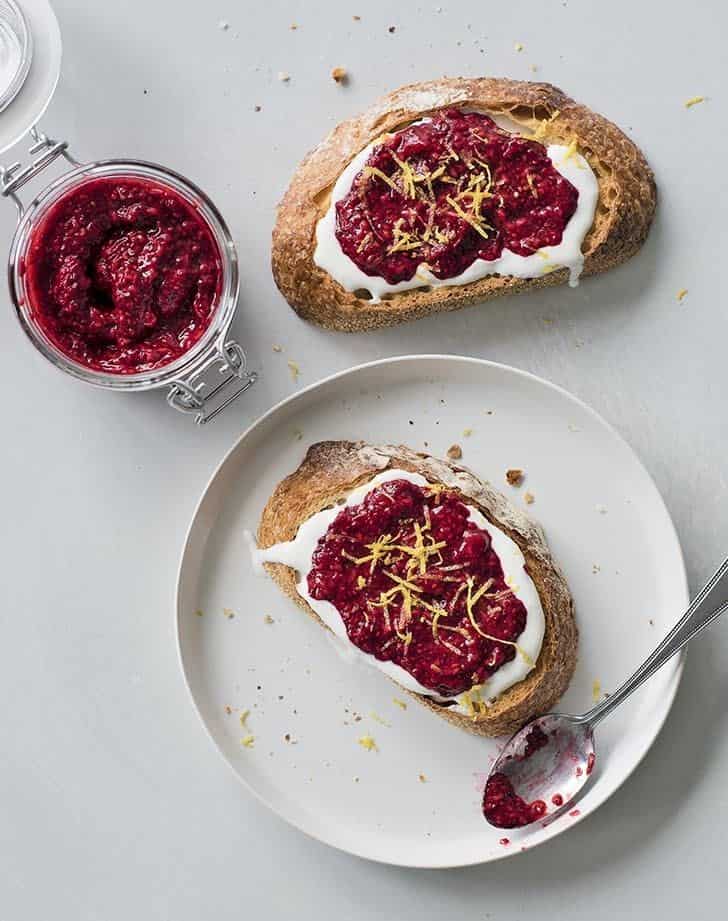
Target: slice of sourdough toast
625,206
329,472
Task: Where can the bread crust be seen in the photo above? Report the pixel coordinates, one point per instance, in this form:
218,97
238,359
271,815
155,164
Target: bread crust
627,198
331,469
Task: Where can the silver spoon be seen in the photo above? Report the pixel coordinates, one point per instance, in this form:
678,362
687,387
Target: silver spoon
546,763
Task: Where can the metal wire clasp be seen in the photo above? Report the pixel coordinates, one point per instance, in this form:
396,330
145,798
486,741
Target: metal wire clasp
16,175
188,395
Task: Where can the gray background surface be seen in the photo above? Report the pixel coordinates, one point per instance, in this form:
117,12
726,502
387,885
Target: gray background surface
114,804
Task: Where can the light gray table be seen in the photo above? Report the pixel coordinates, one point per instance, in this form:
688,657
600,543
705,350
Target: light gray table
114,805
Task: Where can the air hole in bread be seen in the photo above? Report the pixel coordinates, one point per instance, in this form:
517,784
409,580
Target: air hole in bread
363,294
390,295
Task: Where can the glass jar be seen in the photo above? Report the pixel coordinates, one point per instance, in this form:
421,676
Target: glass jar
205,378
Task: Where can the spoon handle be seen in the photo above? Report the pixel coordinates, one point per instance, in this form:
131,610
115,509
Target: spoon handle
708,605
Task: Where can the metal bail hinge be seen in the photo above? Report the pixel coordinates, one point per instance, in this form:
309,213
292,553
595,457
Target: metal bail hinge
16,175
189,396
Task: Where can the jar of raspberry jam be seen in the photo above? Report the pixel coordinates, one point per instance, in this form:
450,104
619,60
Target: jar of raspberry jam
123,273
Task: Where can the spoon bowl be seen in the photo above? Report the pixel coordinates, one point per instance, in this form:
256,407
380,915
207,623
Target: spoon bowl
540,770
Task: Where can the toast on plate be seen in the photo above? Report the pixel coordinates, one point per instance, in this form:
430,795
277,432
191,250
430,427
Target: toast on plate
430,594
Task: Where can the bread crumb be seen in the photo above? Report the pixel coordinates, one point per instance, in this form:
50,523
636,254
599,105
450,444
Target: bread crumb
293,26
681,295
368,743
283,76
228,709
355,779
596,690
356,19
294,369
391,29
229,613
248,741
694,101
339,75
277,348
596,568
533,68
514,476
378,719
529,498
422,778
400,703
518,46
223,26
257,108
243,718
268,619
467,433
454,452
199,613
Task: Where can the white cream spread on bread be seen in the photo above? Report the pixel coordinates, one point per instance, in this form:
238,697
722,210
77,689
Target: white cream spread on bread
567,254
299,552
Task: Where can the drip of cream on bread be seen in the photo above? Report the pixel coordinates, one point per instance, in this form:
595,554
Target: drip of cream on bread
330,257
298,555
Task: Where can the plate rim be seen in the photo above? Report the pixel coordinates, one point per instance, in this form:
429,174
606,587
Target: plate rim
677,665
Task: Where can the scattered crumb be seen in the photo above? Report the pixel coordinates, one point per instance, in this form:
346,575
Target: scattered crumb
489,412
199,613
602,509
289,738
596,568
368,743
518,46
596,690
652,623
293,26
339,75
277,348
681,295
244,717
529,498
294,369
355,779
454,452
378,719
533,68
248,741
228,709
224,26
514,476
467,433
694,101
257,108
283,76
356,19
268,619
422,778
391,29
229,613
400,703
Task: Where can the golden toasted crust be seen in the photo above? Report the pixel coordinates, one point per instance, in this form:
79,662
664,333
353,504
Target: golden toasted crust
328,473
627,197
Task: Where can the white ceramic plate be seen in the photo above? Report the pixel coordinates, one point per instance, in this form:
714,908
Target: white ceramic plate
606,524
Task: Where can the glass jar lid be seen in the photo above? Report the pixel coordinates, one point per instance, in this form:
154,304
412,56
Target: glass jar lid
30,63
